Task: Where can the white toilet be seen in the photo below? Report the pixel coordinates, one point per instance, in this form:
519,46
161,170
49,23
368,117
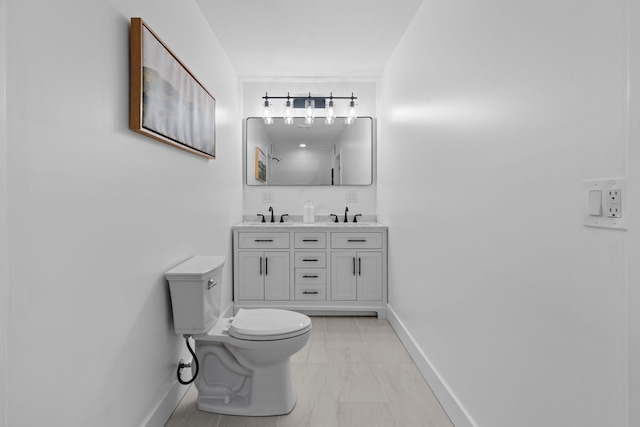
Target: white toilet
244,360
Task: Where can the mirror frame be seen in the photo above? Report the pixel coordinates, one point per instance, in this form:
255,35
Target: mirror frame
245,155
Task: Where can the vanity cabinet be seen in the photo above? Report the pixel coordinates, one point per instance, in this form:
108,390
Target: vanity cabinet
356,276
318,269
265,273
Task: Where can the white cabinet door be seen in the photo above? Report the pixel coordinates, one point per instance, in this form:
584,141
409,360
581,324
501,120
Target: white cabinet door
251,279
369,276
343,276
276,275
263,275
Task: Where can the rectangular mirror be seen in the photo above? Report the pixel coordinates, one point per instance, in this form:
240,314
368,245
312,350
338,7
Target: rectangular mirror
316,154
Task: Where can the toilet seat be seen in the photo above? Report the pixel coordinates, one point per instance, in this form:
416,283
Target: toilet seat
268,324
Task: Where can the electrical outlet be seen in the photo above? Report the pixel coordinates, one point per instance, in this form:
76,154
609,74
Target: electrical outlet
267,197
614,203
602,203
351,196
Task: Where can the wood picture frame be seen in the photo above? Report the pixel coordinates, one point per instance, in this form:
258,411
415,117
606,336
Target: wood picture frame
261,165
167,102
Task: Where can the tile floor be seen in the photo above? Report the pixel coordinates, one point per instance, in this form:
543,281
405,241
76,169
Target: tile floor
353,372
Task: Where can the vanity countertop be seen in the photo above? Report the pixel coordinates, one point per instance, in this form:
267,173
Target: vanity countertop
324,226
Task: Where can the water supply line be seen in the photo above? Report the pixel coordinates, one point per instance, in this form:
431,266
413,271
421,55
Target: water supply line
183,365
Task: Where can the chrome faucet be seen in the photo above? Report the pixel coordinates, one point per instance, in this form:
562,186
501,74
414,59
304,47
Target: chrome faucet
345,214
271,210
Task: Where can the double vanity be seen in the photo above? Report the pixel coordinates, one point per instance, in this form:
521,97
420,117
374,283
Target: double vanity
321,268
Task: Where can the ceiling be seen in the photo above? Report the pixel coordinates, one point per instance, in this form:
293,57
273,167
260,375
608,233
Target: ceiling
298,38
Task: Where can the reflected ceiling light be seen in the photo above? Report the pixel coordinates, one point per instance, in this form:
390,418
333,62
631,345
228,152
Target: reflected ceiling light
309,103
303,145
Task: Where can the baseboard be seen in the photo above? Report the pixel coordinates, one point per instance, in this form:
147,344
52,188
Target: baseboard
459,417
167,405
160,415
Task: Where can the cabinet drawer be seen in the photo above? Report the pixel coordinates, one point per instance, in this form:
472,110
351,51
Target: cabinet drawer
310,259
311,293
311,276
305,240
356,240
263,240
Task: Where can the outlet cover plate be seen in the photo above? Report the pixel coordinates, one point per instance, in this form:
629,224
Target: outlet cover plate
605,186
267,197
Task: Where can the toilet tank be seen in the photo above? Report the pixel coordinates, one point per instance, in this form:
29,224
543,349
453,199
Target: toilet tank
195,293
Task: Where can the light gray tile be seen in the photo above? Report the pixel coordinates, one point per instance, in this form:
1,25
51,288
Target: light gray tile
234,421
352,355
341,325
411,400
365,415
362,385
316,390
318,324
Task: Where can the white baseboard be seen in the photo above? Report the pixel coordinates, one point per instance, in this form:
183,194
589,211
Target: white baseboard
459,417
167,405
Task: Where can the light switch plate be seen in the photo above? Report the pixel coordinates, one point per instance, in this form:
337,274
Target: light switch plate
604,203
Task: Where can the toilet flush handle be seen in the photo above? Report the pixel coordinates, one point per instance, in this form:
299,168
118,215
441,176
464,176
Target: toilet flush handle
211,284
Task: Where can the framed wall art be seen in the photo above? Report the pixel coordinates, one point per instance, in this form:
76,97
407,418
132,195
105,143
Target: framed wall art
261,165
167,102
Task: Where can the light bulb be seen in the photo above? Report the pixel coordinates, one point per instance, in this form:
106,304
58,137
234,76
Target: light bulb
288,112
309,104
351,114
266,113
330,113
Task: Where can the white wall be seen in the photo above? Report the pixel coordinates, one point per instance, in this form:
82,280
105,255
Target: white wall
327,199
493,113
98,213
633,255
4,230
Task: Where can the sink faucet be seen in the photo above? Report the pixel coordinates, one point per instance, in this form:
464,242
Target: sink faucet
355,217
271,210
345,214
331,215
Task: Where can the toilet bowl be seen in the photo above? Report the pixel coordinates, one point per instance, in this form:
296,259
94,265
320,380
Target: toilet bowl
244,361
246,369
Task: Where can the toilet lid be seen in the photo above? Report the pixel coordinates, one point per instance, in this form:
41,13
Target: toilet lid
265,323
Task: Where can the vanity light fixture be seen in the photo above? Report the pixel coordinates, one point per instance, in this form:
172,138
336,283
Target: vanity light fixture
310,103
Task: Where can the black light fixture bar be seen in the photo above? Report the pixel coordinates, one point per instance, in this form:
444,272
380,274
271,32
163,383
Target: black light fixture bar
303,98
